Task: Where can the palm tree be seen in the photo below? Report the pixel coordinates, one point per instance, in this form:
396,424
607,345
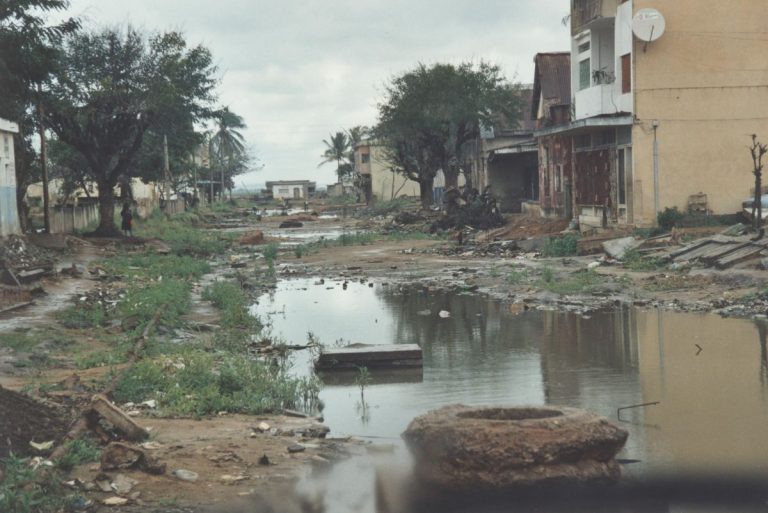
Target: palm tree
227,143
337,148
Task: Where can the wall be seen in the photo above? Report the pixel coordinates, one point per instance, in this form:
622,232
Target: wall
9,217
706,82
511,178
558,151
384,182
69,219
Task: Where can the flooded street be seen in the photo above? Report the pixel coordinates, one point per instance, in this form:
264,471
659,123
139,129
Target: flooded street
709,375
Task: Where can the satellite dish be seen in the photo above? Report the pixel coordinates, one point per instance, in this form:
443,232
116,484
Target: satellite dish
648,25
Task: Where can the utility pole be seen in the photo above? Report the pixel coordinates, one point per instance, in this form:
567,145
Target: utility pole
656,207
166,170
44,164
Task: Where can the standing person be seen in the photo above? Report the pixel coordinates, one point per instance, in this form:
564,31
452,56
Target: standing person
127,217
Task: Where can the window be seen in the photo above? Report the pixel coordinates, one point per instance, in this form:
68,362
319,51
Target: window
626,74
584,47
583,141
283,191
585,74
365,158
7,145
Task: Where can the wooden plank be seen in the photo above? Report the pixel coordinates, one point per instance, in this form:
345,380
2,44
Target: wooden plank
351,357
747,252
701,250
718,253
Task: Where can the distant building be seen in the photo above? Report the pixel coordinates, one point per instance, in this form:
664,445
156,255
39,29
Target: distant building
291,189
379,179
9,215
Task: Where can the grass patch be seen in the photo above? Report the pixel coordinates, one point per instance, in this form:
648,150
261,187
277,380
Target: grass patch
155,266
634,261
180,235
233,303
516,277
27,490
382,208
566,245
576,283
26,341
144,302
78,452
83,315
199,383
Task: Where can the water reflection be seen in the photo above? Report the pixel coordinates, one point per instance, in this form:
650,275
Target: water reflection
713,406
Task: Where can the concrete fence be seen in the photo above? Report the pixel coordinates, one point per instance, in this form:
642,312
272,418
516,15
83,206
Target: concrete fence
174,206
69,219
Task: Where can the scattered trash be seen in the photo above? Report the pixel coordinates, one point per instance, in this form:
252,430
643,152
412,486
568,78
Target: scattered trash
233,479
122,484
115,501
185,475
42,447
263,427
444,314
264,460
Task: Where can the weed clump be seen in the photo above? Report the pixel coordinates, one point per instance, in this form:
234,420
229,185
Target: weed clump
566,245
199,383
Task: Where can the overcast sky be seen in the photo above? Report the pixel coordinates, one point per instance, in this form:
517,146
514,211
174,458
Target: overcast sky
299,69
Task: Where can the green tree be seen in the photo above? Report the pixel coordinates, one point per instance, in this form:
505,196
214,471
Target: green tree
337,150
429,114
27,55
227,146
112,87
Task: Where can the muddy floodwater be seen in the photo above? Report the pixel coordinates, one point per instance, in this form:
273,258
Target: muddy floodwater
708,374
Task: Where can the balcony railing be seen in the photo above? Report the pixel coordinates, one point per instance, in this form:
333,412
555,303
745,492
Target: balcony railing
584,11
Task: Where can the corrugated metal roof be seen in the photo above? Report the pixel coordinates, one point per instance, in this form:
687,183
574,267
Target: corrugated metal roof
552,79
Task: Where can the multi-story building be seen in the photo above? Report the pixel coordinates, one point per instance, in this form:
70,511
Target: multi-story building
379,179
9,215
659,120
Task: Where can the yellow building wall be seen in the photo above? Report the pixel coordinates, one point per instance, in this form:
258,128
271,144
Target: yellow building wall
712,413
385,184
706,82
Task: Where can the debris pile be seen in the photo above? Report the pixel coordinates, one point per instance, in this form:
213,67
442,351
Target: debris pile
22,262
24,421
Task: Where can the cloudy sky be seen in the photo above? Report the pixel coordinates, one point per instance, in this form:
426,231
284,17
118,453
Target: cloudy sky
299,69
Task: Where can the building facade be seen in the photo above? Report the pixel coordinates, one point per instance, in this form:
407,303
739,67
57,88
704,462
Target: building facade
291,189
9,214
379,180
655,124
504,158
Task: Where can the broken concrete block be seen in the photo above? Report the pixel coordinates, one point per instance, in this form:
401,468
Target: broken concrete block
617,248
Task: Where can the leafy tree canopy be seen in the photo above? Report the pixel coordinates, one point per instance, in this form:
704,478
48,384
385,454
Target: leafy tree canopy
112,87
430,113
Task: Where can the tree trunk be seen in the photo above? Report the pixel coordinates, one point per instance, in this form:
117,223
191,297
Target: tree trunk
451,176
425,192
107,226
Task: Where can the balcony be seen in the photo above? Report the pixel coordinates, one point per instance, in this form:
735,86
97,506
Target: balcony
583,12
597,100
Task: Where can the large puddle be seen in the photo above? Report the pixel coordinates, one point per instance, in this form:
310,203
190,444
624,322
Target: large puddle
708,374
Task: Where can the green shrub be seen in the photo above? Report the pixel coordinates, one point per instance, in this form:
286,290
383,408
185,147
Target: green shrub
25,489
566,245
669,218
78,451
